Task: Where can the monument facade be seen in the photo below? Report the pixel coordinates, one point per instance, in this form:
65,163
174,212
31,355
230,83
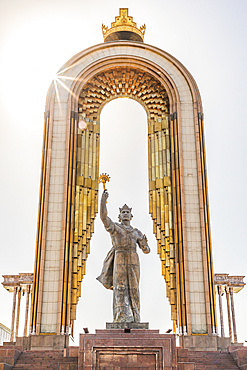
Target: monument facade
123,66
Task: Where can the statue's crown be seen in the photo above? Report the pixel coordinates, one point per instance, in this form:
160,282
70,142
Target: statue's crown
123,28
125,207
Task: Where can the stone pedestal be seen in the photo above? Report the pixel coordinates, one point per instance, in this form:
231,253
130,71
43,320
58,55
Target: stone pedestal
48,342
127,325
43,342
135,349
239,354
204,342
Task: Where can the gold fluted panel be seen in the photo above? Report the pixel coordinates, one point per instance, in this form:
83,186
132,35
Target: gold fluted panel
86,206
34,297
177,245
207,224
160,202
69,237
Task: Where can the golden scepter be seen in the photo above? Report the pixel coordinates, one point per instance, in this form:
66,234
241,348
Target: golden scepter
103,178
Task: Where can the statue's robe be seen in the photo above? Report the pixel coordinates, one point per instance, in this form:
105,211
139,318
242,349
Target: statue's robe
121,271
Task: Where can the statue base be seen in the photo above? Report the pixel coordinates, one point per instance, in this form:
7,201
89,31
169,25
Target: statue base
135,349
127,325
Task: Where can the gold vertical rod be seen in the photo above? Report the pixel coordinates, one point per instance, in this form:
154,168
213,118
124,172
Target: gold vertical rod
83,143
156,155
149,159
70,219
86,154
90,155
76,213
176,241
34,300
80,232
79,151
160,155
207,224
152,157
73,180
97,168
67,252
97,156
180,225
94,158
164,158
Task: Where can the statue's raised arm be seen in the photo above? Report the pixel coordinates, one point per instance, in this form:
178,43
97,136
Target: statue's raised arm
103,212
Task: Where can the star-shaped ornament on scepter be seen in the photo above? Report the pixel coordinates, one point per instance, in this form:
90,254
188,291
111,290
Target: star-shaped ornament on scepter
103,179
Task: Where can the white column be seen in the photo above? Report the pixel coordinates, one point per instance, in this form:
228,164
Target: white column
233,317
18,312
27,309
12,335
229,313
221,311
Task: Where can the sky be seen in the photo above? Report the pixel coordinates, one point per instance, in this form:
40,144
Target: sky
209,39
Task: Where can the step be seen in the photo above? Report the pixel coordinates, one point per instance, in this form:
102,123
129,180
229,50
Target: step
31,360
34,367
4,366
212,360
64,359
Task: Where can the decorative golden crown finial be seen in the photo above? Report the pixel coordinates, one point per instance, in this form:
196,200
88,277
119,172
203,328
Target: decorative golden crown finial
123,28
103,178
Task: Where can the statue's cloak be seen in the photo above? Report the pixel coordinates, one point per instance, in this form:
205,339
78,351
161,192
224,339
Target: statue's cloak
106,276
121,271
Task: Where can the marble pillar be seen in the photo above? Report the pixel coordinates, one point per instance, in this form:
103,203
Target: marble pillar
221,312
229,313
233,317
18,312
26,312
12,335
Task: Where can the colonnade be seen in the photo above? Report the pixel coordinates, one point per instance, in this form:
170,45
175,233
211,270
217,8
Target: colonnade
228,285
22,285
18,285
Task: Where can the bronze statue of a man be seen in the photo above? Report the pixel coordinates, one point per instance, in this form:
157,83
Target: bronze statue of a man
121,268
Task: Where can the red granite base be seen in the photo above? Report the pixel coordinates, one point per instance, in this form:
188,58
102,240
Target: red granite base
121,350
135,350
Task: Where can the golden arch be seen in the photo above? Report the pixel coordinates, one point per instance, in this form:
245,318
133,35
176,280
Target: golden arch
147,82
103,87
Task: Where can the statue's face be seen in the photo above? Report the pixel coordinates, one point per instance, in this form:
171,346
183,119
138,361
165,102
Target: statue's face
125,215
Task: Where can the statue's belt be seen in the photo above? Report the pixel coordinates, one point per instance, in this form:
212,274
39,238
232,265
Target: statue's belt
125,248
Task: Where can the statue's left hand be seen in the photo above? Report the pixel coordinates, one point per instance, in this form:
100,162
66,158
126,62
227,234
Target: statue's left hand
145,239
144,245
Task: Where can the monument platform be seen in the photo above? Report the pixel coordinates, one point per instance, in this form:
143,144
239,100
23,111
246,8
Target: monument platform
135,349
118,349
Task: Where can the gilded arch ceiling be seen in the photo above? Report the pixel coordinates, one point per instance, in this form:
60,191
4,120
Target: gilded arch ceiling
123,82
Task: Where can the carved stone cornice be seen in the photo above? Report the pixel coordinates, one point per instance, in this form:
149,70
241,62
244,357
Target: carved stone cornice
226,281
22,280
